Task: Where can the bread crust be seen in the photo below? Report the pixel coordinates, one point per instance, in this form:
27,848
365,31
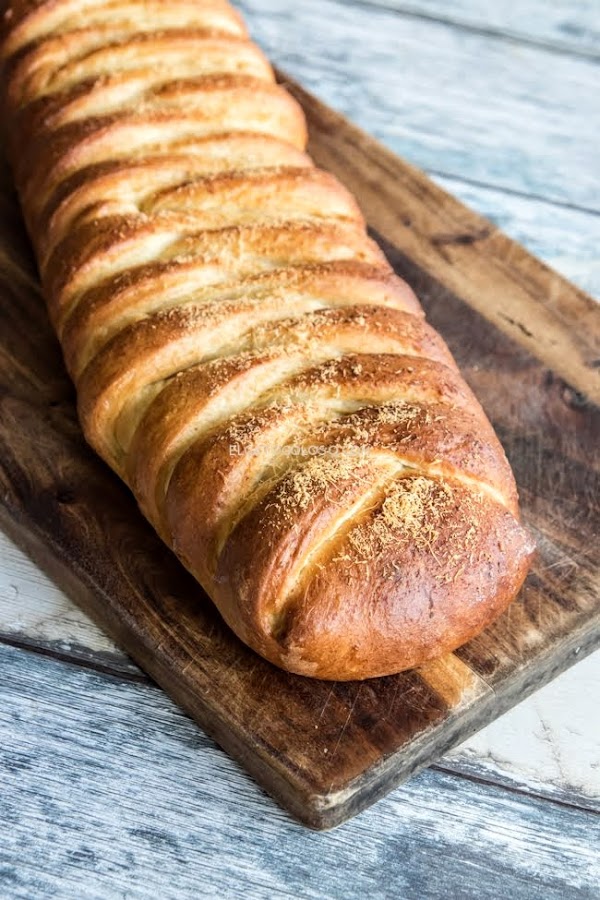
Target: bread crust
244,356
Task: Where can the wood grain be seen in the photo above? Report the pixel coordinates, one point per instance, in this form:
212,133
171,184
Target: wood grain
109,791
565,238
456,103
568,26
428,229
35,614
326,751
546,746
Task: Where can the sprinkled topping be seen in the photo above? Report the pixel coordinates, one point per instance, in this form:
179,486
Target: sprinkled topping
179,213
412,511
318,476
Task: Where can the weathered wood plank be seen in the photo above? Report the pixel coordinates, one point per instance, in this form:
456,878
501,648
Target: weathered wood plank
547,745
35,613
435,242
566,239
452,102
110,791
77,520
567,25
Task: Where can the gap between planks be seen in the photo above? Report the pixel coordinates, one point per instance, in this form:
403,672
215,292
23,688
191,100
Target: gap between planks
150,807
80,658
420,87
78,655
555,321
500,32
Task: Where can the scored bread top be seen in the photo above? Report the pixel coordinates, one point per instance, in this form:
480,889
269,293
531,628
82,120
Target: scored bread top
245,357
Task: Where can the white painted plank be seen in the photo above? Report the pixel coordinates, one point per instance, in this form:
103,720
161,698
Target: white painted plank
548,745
568,240
550,742
109,791
454,102
570,25
34,609
35,612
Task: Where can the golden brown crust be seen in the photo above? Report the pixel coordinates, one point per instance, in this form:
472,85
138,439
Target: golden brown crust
104,311
108,247
94,56
228,107
314,416
214,199
244,356
414,588
28,22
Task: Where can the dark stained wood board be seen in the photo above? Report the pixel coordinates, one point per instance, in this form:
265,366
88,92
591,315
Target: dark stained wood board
528,343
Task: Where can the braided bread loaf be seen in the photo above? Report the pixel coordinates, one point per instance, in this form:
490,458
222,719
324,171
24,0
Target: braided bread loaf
244,356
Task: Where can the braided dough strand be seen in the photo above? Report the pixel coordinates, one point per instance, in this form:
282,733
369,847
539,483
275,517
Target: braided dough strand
245,357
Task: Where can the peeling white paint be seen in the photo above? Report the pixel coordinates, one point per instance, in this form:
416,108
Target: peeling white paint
33,607
552,738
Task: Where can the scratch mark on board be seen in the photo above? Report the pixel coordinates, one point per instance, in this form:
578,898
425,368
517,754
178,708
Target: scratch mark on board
347,722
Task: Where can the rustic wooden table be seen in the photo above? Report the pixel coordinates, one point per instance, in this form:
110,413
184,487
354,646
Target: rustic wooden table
107,790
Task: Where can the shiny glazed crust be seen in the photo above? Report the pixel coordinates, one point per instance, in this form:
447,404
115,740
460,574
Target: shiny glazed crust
244,356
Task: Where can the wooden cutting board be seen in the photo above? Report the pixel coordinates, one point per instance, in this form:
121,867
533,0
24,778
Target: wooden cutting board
529,344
